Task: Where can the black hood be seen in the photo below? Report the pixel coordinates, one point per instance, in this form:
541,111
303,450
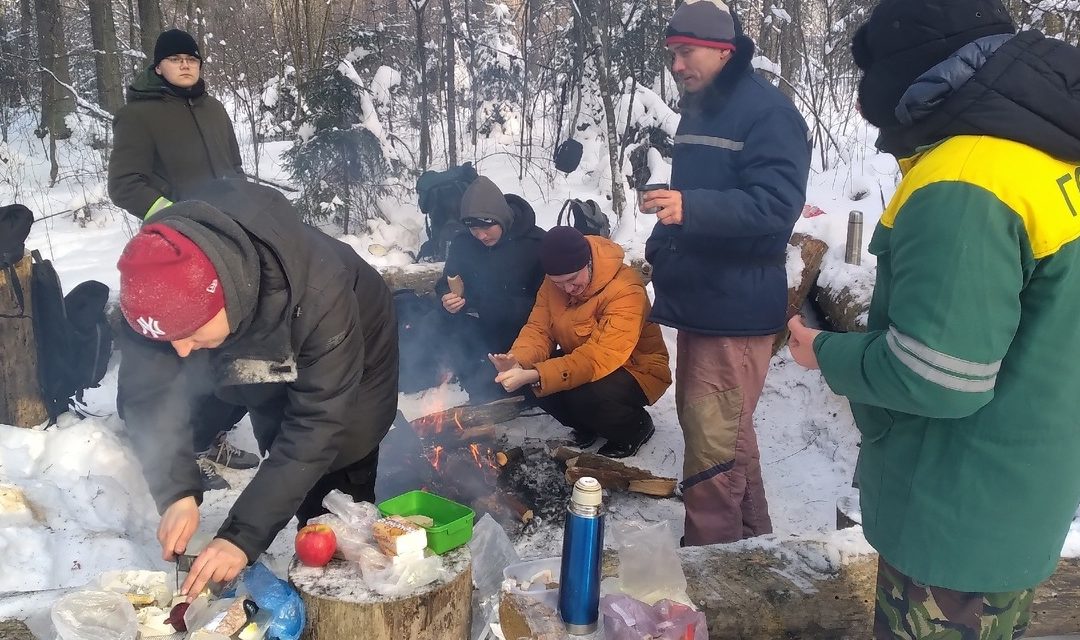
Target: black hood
1025,88
233,222
148,85
712,98
524,216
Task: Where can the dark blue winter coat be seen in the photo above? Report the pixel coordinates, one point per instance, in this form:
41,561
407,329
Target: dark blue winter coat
741,161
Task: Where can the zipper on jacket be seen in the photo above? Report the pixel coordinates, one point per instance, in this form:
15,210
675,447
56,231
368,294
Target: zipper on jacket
202,136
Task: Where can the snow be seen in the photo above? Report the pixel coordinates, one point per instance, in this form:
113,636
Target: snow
87,509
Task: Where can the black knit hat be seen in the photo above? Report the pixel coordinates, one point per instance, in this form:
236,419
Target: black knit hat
905,38
174,42
564,250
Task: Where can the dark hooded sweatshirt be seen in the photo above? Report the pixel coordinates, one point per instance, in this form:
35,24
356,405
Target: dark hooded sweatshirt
741,161
167,145
500,281
312,356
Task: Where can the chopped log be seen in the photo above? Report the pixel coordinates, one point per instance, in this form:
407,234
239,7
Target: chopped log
812,251
450,435
21,403
503,458
517,507
339,604
612,480
615,475
565,454
524,617
481,415
845,307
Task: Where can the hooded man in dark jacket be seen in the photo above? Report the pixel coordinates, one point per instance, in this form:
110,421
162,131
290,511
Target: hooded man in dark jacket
497,262
230,294
172,136
169,139
718,251
964,384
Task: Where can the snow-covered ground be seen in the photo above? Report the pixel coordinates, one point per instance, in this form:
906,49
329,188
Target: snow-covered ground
91,511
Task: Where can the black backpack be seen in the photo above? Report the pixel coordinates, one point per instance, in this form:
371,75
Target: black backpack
74,340
440,195
568,155
15,221
585,216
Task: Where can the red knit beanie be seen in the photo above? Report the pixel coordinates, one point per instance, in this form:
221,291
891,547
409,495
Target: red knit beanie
168,287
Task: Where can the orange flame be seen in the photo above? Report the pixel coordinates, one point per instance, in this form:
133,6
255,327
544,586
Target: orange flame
434,456
474,449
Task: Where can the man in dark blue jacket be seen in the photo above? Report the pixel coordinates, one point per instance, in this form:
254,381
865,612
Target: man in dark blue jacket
738,183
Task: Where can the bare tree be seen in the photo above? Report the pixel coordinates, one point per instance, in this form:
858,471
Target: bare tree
110,89
419,8
149,25
57,103
449,65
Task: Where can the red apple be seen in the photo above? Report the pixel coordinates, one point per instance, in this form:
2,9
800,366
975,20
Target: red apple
315,545
176,617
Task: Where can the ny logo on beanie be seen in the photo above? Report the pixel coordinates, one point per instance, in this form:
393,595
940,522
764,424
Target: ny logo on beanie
150,327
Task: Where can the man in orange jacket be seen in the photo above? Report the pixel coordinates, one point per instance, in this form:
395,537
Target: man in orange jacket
611,362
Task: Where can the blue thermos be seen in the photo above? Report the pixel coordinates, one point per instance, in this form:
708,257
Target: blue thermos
583,542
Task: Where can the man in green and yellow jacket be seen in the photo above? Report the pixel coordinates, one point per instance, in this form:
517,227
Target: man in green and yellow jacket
965,385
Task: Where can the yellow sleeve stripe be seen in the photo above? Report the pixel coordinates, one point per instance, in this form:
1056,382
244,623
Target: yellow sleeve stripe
1042,190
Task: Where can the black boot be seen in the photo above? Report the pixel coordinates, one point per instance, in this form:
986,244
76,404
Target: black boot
627,449
583,439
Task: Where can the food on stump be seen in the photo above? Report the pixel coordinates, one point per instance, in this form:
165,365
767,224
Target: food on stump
397,536
423,521
315,545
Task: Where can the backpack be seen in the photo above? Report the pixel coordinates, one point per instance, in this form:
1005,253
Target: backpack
439,194
585,216
15,221
74,340
568,156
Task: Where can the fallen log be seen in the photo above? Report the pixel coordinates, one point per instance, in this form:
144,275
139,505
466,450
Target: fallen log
422,276
453,436
564,454
468,416
843,295
616,475
504,507
21,403
339,604
771,588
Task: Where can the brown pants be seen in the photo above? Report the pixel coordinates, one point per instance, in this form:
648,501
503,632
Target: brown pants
718,380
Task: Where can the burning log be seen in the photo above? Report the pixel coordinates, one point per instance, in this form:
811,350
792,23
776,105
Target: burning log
503,458
460,436
469,417
616,475
504,507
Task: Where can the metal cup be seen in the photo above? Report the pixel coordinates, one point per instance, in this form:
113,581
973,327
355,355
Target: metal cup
644,190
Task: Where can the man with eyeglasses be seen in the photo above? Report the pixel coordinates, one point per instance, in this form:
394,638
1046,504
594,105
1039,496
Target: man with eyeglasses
171,138
496,272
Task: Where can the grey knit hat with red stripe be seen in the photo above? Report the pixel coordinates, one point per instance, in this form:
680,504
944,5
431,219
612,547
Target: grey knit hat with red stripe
702,23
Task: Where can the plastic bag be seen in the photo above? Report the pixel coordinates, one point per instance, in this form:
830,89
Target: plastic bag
94,615
272,593
649,567
628,619
491,553
389,578
358,515
351,541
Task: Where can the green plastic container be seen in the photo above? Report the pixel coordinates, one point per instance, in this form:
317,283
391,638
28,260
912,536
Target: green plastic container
453,521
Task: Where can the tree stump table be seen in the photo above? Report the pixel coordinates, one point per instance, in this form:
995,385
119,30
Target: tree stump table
339,604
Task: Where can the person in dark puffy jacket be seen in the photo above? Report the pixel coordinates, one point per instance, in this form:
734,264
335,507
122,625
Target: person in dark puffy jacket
497,261
738,183
230,294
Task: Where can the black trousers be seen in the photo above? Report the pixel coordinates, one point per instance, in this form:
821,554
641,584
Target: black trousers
212,416
613,407
356,480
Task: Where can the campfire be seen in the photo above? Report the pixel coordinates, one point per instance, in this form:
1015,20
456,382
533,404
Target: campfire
464,462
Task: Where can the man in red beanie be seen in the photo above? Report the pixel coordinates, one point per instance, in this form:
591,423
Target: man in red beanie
718,251
231,296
